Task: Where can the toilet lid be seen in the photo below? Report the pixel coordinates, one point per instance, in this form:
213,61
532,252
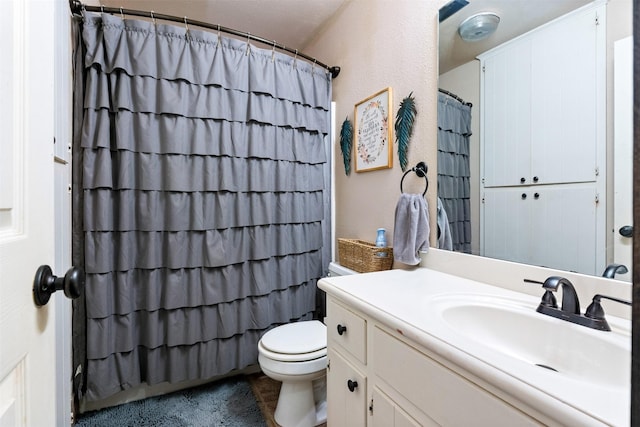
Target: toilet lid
296,338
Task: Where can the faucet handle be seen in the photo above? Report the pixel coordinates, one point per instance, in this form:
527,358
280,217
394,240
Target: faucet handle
595,310
548,298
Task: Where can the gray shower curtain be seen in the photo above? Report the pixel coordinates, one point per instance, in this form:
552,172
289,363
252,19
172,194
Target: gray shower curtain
201,173
454,130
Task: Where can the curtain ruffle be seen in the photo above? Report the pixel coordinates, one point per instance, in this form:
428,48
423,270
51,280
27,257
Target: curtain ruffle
163,52
130,210
122,292
191,325
123,170
170,134
121,251
141,94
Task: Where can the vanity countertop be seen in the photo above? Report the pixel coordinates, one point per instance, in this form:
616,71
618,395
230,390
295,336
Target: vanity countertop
407,302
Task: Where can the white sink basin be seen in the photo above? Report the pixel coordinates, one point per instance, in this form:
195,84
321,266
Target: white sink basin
559,348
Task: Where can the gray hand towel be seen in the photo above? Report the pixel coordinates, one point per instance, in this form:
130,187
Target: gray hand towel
411,231
444,231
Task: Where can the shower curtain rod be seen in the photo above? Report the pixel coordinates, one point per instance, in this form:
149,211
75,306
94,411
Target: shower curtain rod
77,7
456,97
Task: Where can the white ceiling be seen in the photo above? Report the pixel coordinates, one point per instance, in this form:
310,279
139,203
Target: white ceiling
292,23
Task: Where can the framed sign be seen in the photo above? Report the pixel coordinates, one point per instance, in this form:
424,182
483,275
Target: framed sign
373,132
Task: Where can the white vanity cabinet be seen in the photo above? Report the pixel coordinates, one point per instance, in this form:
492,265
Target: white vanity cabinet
399,384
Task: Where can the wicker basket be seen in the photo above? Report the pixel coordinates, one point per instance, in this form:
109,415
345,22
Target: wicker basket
364,257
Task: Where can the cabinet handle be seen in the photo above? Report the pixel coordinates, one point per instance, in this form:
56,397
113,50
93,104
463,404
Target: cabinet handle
524,196
352,385
522,180
341,329
536,196
535,179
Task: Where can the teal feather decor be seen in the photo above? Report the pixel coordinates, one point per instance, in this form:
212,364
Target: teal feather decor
404,128
346,139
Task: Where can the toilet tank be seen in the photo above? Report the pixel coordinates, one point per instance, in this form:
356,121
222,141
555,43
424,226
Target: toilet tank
336,269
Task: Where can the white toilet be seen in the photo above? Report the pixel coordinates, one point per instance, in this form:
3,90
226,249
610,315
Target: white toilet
296,355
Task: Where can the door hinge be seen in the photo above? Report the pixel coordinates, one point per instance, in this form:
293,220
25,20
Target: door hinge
597,19
484,68
328,365
597,171
371,407
597,198
482,201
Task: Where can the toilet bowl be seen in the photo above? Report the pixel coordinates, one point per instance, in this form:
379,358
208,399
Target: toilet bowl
296,355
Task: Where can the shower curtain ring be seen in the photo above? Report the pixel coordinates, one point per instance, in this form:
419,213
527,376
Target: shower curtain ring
295,58
273,51
121,14
248,43
101,8
153,18
186,24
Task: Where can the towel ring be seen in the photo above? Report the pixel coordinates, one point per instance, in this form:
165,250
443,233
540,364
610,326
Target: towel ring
421,170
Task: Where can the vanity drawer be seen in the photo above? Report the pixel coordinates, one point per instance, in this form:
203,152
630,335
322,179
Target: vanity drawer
347,330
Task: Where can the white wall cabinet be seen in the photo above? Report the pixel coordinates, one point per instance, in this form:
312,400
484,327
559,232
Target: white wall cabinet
399,384
543,132
542,98
550,226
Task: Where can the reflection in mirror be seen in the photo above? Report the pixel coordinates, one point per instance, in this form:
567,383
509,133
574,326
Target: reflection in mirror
541,174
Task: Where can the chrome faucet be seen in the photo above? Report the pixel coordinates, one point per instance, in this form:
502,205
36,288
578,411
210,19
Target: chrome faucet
613,269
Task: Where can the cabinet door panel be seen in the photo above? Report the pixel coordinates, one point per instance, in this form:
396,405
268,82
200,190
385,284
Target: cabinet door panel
345,408
566,75
506,228
564,228
387,413
506,116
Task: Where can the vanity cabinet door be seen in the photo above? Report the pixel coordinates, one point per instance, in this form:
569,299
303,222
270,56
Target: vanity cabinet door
386,413
346,393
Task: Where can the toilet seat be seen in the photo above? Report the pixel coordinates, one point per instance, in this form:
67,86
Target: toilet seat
295,342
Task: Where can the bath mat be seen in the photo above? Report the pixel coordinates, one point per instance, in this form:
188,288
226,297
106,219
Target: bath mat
226,403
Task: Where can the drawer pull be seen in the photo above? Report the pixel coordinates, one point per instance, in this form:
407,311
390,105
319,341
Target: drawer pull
341,329
352,385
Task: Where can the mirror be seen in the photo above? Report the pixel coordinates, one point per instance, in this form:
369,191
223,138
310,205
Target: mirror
459,70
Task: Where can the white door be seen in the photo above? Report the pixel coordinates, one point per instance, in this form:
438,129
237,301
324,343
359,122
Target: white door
27,347
623,153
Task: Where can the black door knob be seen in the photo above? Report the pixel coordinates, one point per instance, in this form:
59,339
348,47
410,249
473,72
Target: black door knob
352,385
45,283
523,196
522,180
626,231
341,329
536,179
536,196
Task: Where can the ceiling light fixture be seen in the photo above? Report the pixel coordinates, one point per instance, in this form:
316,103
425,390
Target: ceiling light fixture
478,26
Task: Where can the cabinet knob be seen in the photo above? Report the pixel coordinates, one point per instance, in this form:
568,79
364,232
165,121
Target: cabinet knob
352,385
341,329
522,180
536,196
535,179
626,231
523,196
